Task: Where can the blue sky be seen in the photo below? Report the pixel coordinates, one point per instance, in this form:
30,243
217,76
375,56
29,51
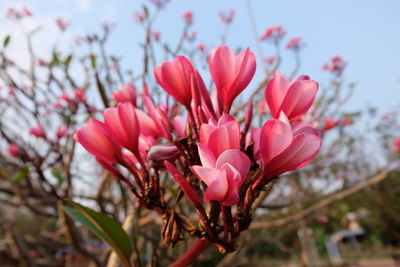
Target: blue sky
364,32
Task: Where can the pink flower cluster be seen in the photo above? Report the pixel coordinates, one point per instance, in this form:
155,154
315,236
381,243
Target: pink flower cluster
220,157
336,66
18,14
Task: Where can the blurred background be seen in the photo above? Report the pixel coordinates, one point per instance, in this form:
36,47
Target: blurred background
341,210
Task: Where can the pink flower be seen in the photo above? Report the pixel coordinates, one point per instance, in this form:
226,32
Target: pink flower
294,99
65,97
190,36
336,66
231,73
13,150
295,44
156,35
201,47
139,17
346,121
123,124
330,123
127,93
97,139
222,136
396,145
188,17
62,131
37,131
223,175
269,60
226,18
274,33
27,12
80,95
57,104
62,24
285,149
175,77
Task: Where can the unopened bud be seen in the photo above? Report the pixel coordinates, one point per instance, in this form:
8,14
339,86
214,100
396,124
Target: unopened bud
163,152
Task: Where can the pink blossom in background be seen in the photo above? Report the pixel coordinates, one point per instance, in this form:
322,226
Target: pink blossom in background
329,124
62,24
57,104
396,145
201,47
126,93
269,60
274,34
18,14
188,17
296,44
13,150
190,36
62,131
80,95
226,18
231,73
346,121
294,99
27,12
139,17
37,131
155,35
159,3
336,66
64,96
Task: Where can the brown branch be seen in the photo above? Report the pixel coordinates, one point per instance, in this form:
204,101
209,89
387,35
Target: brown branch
323,203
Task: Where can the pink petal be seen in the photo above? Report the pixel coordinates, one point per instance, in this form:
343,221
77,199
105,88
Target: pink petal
224,137
275,137
205,131
299,98
215,179
237,160
207,175
275,92
234,181
147,125
179,126
207,158
95,139
217,190
302,150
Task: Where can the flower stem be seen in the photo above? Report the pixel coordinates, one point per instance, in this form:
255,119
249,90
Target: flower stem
191,254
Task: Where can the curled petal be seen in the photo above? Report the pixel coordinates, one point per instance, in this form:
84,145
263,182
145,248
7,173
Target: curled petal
237,160
275,137
96,139
300,152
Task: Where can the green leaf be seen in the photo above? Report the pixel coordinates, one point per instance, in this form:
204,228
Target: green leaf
67,61
6,40
57,174
104,227
93,61
55,58
19,175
